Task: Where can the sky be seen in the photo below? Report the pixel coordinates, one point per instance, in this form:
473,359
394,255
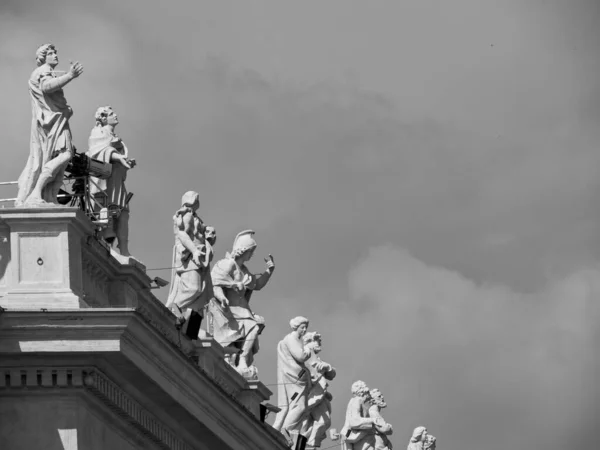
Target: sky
423,172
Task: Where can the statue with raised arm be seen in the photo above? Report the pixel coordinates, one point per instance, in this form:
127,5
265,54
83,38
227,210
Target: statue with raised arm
104,145
235,324
191,286
358,432
382,428
51,146
418,439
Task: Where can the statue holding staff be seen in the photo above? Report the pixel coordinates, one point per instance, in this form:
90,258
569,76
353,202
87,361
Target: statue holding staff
51,146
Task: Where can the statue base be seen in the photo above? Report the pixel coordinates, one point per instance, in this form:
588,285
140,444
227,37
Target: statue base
41,257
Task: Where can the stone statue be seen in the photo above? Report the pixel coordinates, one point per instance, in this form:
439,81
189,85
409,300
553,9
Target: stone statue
104,145
235,324
430,442
317,420
302,396
417,439
358,432
191,286
51,146
382,428
293,377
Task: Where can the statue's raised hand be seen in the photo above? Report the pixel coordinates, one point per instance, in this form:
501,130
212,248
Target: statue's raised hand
76,69
270,262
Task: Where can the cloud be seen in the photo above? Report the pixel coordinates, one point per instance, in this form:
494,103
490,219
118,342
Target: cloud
483,366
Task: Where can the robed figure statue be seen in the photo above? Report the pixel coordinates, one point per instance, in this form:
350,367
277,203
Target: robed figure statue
51,146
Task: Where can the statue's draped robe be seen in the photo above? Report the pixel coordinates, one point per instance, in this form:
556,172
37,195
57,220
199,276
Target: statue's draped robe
382,432
293,380
50,134
191,286
102,144
318,420
233,323
358,432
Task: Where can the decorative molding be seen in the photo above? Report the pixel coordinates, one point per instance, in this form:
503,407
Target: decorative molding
94,381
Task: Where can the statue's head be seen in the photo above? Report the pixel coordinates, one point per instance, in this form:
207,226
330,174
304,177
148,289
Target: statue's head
429,443
299,324
106,116
210,234
46,54
313,336
243,246
377,398
191,199
418,434
360,389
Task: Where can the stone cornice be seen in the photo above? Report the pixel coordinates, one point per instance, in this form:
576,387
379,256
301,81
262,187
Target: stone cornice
139,345
97,383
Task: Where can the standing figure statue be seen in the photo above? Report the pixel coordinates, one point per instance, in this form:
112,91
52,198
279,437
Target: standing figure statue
51,146
382,428
294,380
317,420
104,145
191,286
235,325
418,439
358,432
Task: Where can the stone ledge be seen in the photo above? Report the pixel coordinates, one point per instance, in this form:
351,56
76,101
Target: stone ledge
134,353
94,381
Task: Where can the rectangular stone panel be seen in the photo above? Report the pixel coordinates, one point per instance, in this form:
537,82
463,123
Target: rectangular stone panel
41,260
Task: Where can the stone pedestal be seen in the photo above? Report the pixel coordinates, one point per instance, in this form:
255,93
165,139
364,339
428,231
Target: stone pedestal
50,259
41,257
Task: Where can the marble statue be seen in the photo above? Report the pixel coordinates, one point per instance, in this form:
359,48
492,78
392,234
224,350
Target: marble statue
51,146
430,442
302,395
191,285
235,325
104,145
358,432
317,420
417,439
293,377
382,428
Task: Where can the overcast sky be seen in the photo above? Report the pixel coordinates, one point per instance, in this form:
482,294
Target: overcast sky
424,172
